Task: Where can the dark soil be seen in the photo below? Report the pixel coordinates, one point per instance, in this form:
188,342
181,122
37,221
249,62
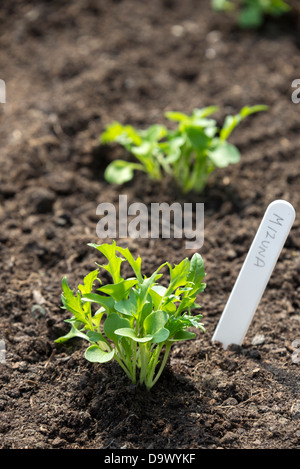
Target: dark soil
70,68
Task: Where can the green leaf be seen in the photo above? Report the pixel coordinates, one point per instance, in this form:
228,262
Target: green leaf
231,122
125,135
178,274
135,263
106,302
172,148
182,335
251,16
94,336
114,261
96,355
204,112
160,336
193,321
222,5
196,271
154,133
72,303
127,307
112,323
120,290
155,321
196,274
88,282
120,171
248,110
147,309
144,288
128,332
74,332
224,154
176,116
197,136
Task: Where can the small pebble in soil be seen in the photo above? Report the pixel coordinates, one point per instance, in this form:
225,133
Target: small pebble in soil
259,339
254,354
38,311
230,401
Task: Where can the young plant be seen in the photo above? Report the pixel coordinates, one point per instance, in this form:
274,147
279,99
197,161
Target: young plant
138,319
188,154
251,13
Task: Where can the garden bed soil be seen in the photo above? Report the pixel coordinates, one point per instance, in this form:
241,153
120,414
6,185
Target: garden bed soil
70,68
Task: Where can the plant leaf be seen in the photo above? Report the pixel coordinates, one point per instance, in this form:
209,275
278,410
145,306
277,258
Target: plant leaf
107,302
120,290
178,274
113,322
96,355
135,263
224,154
127,307
128,332
94,336
155,321
72,303
74,332
120,171
182,335
88,282
160,336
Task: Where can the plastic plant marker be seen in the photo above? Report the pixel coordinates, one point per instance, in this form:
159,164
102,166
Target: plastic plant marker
255,273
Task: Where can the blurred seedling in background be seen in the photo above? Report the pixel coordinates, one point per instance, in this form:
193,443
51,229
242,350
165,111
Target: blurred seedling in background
188,154
252,13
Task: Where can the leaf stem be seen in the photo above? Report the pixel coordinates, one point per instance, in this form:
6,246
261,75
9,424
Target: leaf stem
163,363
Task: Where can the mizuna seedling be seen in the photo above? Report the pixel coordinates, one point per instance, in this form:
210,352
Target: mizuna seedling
251,13
255,273
138,319
187,154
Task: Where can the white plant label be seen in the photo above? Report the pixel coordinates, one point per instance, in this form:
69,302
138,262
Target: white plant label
255,273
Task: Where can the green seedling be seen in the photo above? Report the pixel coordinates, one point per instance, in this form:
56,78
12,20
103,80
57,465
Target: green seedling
137,319
251,13
188,154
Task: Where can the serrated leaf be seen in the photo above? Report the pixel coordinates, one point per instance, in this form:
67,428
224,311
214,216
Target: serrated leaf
144,287
114,261
120,290
182,335
88,282
72,303
178,274
107,302
74,332
135,263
